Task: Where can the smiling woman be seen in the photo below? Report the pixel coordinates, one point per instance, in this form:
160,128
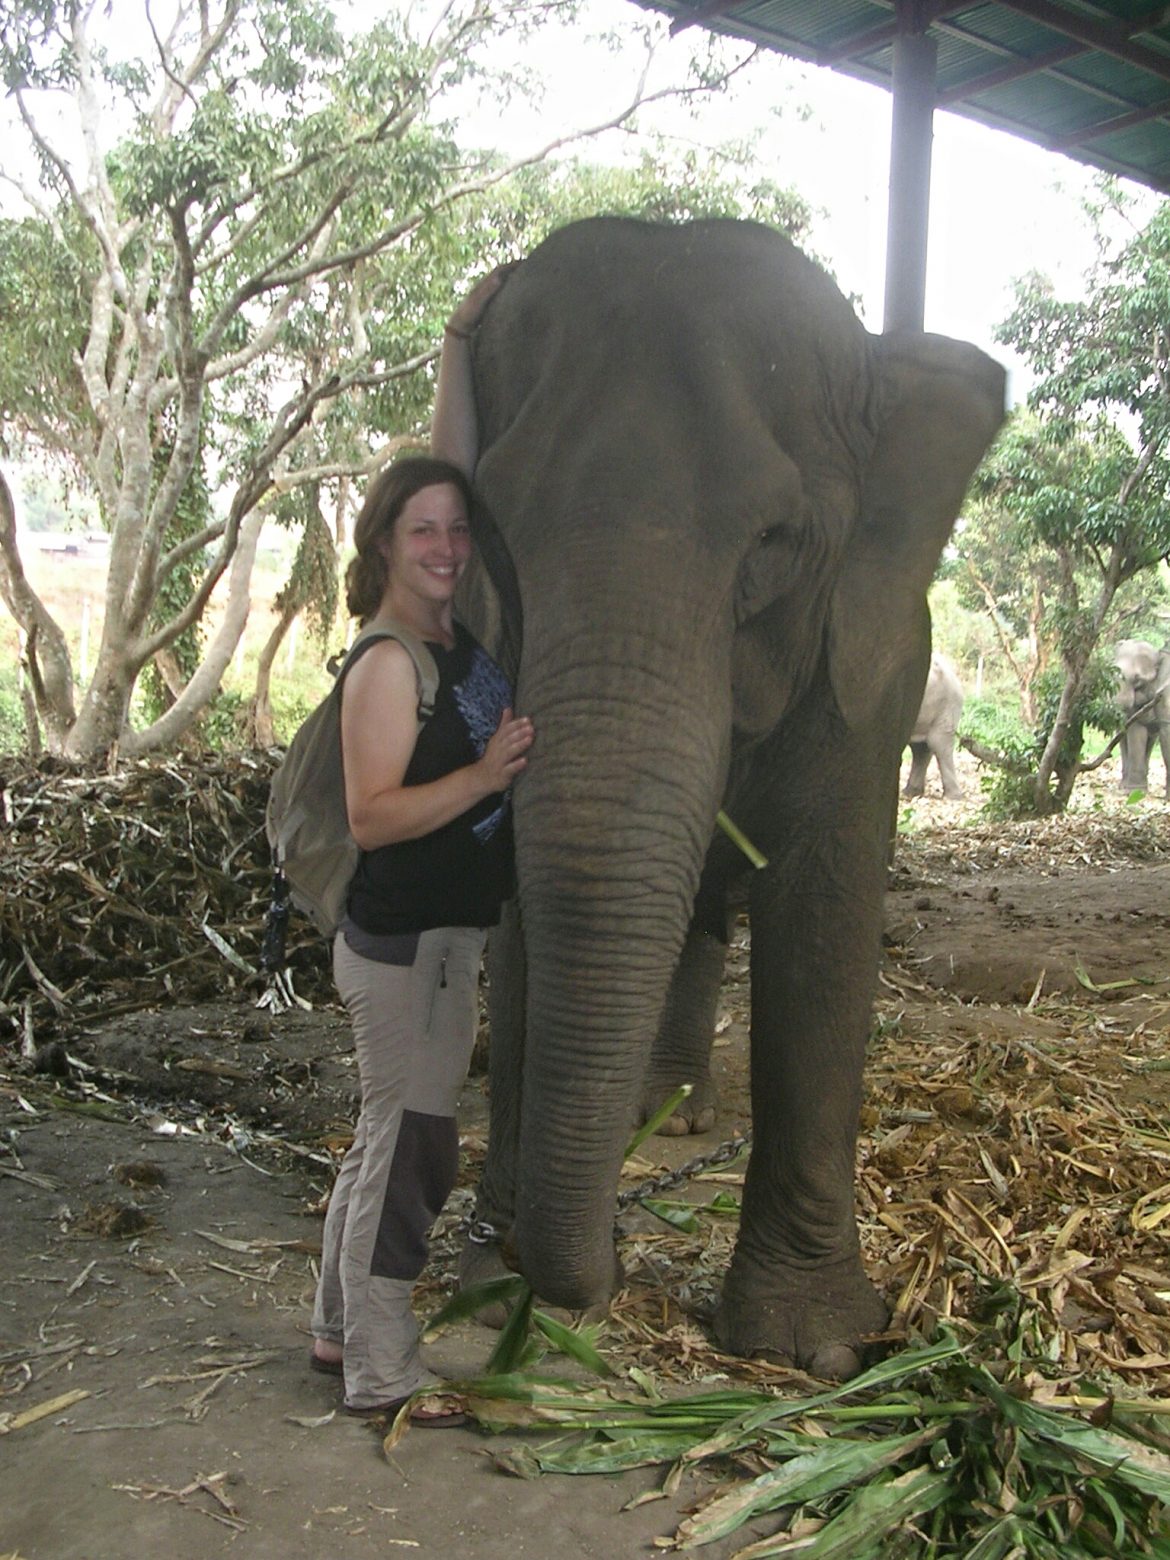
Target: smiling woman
429,807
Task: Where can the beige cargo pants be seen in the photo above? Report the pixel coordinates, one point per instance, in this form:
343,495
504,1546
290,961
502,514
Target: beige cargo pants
413,1009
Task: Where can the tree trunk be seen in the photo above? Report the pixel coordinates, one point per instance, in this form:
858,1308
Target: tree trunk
261,732
46,654
204,685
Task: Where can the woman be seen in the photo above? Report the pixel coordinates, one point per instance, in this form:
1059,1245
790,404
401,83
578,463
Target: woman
429,810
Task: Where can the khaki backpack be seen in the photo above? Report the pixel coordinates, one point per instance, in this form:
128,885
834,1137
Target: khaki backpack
306,820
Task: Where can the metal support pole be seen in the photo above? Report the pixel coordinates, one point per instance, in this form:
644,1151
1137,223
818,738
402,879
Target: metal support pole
915,68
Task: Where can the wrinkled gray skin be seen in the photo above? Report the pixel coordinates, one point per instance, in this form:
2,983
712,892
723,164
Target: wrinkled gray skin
1143,685
934,730
716,505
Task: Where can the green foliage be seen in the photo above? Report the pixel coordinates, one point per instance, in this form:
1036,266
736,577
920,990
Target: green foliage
46,274
940,1450
246,282
49,504
1008,790
994,724
290,708
13,738
223,721
190,516
312,585
1070,512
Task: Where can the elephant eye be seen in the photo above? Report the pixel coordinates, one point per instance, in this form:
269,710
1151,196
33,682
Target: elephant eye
768,534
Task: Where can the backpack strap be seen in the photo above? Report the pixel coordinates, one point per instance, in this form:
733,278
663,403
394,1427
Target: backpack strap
425,671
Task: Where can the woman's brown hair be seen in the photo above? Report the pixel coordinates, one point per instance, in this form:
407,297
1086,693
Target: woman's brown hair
388,494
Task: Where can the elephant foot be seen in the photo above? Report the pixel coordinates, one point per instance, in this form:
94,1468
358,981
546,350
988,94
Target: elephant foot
479,1262
695,1114
821,1320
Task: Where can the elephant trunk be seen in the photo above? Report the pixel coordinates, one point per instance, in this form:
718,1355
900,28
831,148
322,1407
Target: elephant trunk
613,820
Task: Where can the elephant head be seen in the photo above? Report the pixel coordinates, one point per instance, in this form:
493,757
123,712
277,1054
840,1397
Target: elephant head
717,503
1143,673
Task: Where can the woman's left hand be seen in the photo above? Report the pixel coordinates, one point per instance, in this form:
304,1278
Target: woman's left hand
504,757
471,311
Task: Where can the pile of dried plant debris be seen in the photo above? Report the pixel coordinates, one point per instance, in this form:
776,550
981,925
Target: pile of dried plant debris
1106,832
124,890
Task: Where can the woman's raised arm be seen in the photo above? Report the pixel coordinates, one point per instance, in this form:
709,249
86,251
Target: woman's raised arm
455,424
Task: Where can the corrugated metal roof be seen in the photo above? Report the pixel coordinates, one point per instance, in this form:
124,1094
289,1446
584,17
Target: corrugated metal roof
1091,80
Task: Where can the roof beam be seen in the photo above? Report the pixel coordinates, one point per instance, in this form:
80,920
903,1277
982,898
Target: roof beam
701,15
1015,67
1011,70
1104,127
1097,35
881,37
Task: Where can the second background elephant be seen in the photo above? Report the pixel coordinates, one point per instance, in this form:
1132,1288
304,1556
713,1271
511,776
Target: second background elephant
1144,697
935,729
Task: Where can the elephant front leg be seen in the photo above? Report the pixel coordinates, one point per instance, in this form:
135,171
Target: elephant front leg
682,1047
944,752
1164,742
1135,757
796,1290
919,763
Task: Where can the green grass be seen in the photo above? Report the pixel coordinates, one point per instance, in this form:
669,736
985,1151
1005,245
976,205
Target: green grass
949,1448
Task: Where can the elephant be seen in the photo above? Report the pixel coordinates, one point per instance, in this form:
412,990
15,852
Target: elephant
934,730
1144,696
712,503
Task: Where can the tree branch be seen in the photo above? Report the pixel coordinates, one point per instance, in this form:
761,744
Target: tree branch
47,650
285,481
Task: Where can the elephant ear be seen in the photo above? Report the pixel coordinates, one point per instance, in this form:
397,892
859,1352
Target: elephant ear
939,405
489,594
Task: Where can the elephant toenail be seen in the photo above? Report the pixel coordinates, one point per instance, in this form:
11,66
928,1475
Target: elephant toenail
835,1362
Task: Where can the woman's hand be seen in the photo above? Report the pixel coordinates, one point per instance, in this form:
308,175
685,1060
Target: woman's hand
470,312
503,758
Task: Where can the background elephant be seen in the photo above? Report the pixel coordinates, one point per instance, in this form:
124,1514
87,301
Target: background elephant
1144,684
715,505
934,729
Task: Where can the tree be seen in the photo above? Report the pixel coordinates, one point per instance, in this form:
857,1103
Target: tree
238,279
1074,501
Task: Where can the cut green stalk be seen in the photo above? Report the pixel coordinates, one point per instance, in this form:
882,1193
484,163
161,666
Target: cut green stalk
465,1303
834,1465
738,837
875,1513
663,1113
577,1345
513,1340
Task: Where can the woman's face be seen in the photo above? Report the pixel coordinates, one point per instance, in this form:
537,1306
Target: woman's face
430,542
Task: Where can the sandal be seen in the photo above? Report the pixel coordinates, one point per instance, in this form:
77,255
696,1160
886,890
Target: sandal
450,1411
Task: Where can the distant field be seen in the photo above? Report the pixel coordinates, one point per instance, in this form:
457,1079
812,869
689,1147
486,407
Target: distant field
72,586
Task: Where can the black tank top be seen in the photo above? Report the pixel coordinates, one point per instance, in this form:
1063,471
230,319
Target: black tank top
458,874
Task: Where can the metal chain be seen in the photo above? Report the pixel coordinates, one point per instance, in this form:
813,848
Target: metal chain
481,1233
670,1179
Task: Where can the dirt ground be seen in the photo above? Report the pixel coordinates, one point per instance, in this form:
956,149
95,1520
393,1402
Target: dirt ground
162,1204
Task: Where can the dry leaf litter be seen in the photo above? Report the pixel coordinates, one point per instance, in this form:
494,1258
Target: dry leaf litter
987,1166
